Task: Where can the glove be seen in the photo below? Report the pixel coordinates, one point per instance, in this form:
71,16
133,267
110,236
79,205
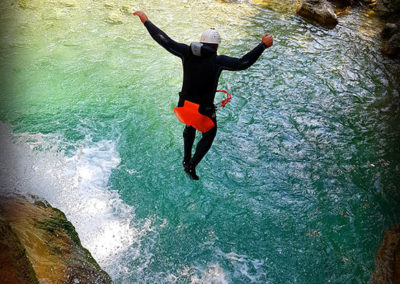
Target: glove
267,40
141,15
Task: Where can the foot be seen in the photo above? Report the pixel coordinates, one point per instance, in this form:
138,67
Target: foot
185,164
190,171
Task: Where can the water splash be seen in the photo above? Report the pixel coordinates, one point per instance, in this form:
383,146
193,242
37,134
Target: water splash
77,184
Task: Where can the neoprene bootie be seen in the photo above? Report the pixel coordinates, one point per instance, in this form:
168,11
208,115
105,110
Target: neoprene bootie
190,171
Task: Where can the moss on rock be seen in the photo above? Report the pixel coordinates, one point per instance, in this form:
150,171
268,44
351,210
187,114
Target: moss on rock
15,266
51,243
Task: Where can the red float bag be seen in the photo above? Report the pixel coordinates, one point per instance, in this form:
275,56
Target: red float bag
189,114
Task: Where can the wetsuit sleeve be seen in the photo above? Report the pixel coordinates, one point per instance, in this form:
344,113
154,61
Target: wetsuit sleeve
178,49
235,64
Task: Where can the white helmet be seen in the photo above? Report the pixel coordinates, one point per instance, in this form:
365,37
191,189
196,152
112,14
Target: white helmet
210,36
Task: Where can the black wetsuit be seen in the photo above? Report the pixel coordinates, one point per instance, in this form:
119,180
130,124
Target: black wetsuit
200,79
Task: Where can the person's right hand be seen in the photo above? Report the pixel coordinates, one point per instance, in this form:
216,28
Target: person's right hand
267,40
141,15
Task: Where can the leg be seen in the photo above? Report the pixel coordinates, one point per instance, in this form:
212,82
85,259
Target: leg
203,146
188,138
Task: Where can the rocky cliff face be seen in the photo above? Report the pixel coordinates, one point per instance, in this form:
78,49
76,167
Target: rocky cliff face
389,11
387,263
391,40
40,245
15,266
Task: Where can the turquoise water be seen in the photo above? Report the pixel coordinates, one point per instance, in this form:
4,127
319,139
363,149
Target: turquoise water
302,178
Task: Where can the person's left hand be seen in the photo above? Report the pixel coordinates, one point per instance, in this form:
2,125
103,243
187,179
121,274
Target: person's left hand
141,15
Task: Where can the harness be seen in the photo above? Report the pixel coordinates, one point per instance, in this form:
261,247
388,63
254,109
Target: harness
189,114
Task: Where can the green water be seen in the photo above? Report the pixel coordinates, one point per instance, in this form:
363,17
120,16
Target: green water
303,176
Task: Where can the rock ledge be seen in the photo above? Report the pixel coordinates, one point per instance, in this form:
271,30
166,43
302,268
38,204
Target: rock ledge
387,262
41,246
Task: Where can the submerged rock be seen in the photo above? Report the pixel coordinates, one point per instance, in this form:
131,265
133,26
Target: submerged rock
387,262
390,30
52,246
319,11
115,18
278,5
126,9
108,5
68,3
391,40
392,47
26,4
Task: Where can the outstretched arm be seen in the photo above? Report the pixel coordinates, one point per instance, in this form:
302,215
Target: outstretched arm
162,38
235,64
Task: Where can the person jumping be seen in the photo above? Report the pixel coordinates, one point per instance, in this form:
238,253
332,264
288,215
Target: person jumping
202,68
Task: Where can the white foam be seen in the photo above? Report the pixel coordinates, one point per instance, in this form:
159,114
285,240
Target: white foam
243,265
77,185
212,274
239,267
